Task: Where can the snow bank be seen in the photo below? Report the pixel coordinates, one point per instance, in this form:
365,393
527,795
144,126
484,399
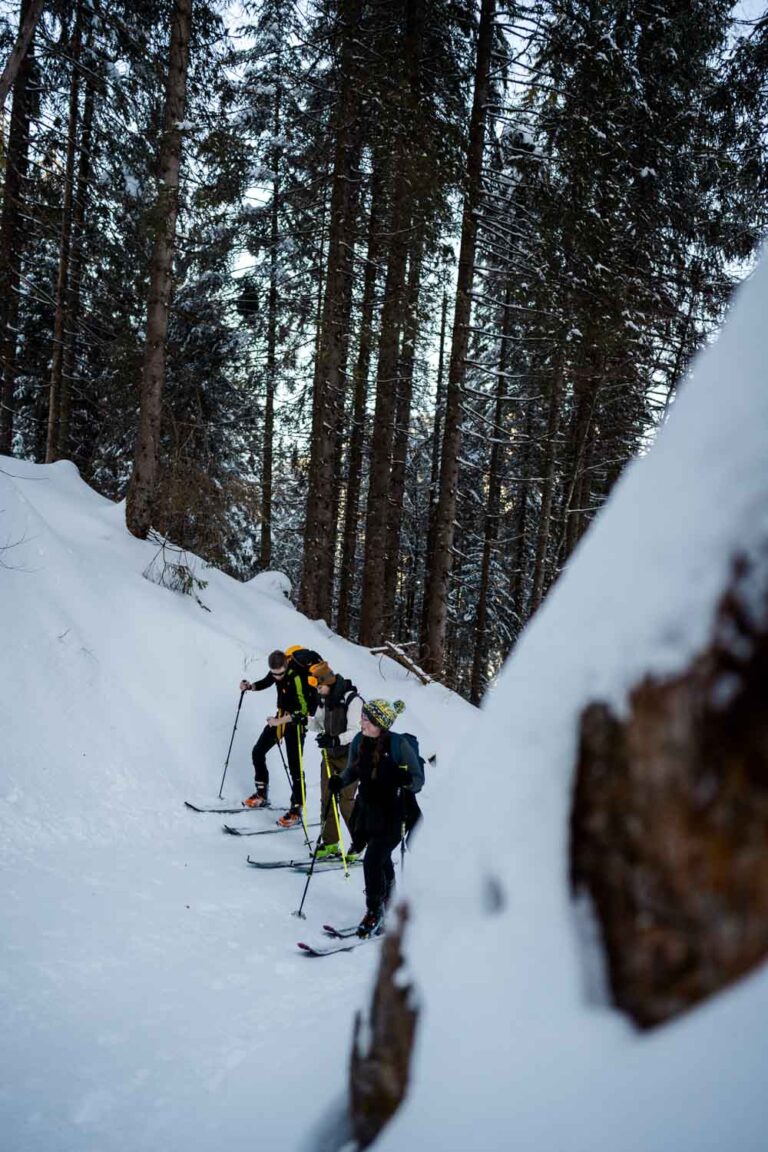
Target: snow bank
514,1049
271,584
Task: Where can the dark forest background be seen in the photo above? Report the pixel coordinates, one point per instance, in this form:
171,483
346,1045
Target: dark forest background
382,294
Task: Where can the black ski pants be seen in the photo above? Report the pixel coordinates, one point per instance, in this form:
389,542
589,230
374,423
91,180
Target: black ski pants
379,870
292,742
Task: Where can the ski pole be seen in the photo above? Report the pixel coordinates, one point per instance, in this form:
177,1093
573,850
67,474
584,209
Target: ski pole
336,817
303,786
402,847
299,912
226,763
290,785
280,738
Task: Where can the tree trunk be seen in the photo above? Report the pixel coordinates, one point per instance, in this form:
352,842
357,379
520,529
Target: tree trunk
11,236
586,390
437,440
341,426
62,278
265,550
402,436
357,437
316,590
72,310
669,817
380,1064
442,558
141,493
519,558
478,679
30,14
434,481
547,493
379,508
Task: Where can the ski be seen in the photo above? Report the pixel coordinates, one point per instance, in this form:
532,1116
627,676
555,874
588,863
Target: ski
274,863
302,865
340,933
222,811
345,944
264,831
331,865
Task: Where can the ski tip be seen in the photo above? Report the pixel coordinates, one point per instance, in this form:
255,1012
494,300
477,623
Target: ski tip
303,947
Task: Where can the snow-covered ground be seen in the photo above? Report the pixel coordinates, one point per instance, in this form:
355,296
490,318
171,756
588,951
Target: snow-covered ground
152,994
151,991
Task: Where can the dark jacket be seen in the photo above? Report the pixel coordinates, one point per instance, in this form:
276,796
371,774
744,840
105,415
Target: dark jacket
338,714
294,693
379,809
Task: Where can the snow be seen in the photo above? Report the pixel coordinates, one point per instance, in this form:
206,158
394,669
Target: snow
516,1050
131,183
149,979
271,584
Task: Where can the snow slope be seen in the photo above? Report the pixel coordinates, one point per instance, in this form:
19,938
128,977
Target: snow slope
516,1048
151,991
150,988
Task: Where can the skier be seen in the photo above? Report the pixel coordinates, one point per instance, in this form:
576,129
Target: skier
296,700
337,721
385,764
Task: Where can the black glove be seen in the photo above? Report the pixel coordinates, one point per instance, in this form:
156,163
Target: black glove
324,740
335,785
299,718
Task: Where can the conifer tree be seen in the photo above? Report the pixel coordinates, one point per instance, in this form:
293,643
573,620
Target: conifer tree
141,493
435,608
11,231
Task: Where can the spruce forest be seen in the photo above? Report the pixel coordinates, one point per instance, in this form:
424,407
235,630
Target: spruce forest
381,294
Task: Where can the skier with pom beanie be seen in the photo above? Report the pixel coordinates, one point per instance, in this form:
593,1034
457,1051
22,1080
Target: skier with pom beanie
377,818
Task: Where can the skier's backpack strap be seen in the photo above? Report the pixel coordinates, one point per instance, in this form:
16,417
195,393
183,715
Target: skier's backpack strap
303,706
396,752
350,696
301,660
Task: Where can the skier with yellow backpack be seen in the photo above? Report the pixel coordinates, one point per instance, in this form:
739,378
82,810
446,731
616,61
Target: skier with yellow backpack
297,700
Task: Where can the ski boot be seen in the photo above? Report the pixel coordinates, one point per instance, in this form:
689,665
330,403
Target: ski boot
257,800
329,852
372,924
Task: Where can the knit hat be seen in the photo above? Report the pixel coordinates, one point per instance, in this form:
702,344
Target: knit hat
321,674
382,713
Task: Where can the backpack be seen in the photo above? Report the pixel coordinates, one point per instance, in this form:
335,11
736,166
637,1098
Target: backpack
303,658
409,805
417,784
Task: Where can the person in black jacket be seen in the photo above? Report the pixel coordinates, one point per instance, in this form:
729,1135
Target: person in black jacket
377,820
296,699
